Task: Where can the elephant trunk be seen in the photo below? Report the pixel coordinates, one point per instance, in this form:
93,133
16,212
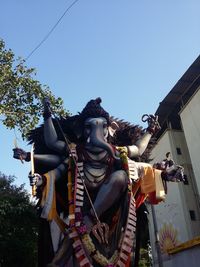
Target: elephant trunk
97,139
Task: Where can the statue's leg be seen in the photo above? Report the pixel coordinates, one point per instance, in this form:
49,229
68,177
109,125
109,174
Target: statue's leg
63,255
110,191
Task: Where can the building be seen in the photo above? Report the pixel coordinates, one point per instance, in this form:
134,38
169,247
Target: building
177,220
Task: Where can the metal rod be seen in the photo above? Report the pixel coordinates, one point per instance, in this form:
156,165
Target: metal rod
74,160
157,242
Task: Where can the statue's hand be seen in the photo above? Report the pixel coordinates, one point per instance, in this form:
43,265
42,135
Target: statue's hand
35,179
153,124
19,153
47,108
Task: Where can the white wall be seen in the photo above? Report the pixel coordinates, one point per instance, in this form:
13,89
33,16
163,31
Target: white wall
171,210
190,117
187,192
180,198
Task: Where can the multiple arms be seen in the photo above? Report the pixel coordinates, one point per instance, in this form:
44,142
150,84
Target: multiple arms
51,140
57,161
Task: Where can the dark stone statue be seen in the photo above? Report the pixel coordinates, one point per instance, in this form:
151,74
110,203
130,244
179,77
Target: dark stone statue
90,178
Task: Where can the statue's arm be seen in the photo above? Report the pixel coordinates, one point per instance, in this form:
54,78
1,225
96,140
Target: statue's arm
51,138
50,135
141,145
38,180
61,169
47,160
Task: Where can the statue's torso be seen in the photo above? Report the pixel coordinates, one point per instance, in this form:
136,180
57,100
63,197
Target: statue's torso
95,168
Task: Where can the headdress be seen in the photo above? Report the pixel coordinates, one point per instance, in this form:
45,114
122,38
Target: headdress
93,109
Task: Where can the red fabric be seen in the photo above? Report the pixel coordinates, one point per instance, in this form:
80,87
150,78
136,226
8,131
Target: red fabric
152,198
128,262
140,198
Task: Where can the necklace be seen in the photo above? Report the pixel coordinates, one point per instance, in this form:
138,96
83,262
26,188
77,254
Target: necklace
78,231
94,174
92,157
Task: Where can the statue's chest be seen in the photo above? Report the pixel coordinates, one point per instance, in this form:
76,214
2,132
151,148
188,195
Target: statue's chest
94,175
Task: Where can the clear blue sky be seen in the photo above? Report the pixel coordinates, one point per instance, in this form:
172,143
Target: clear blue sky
129,52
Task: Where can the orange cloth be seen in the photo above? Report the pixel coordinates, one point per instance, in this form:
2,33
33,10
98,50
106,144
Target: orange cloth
148,180
151,186
48,202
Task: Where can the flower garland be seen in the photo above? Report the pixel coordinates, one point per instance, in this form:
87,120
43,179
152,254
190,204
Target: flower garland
78,230
96,255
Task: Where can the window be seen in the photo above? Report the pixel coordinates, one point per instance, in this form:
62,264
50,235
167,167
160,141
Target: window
185,180
192,215
178,151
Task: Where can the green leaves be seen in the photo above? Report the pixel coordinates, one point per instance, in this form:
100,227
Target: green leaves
21,95
18,227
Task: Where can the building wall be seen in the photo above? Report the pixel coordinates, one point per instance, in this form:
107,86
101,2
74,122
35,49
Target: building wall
190,118
173,217
171,211
187,191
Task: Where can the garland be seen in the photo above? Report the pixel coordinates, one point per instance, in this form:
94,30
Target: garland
78,231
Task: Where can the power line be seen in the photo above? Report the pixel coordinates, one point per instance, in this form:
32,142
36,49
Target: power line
52,29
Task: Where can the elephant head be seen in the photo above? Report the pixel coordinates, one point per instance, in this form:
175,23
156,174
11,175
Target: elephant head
96,123
95,136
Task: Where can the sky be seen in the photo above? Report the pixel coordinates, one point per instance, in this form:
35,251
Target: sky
128,52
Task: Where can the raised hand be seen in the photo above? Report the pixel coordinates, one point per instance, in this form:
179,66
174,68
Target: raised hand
19,153
153,124
47,109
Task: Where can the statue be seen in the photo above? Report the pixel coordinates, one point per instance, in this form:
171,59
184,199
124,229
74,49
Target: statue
89,182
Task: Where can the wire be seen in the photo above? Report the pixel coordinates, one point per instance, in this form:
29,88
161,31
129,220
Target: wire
52,29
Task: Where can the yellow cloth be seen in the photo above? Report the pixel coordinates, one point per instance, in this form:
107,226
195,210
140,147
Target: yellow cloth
48,201
160,192
152,182
148,180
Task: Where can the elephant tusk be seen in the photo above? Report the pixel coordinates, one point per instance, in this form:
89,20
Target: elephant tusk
106,137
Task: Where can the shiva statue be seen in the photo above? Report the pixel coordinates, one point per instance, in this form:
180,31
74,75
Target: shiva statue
90,178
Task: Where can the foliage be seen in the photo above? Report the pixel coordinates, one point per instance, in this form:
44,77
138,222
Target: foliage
142,251
145,260
18,226
21,95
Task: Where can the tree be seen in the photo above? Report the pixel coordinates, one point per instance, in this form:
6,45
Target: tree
21,96
142,238
18,227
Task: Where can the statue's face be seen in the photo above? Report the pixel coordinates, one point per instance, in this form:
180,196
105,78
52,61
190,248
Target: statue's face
95,135
96,128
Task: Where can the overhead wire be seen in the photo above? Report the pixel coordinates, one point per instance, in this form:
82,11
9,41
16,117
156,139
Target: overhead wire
44,39
52,29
